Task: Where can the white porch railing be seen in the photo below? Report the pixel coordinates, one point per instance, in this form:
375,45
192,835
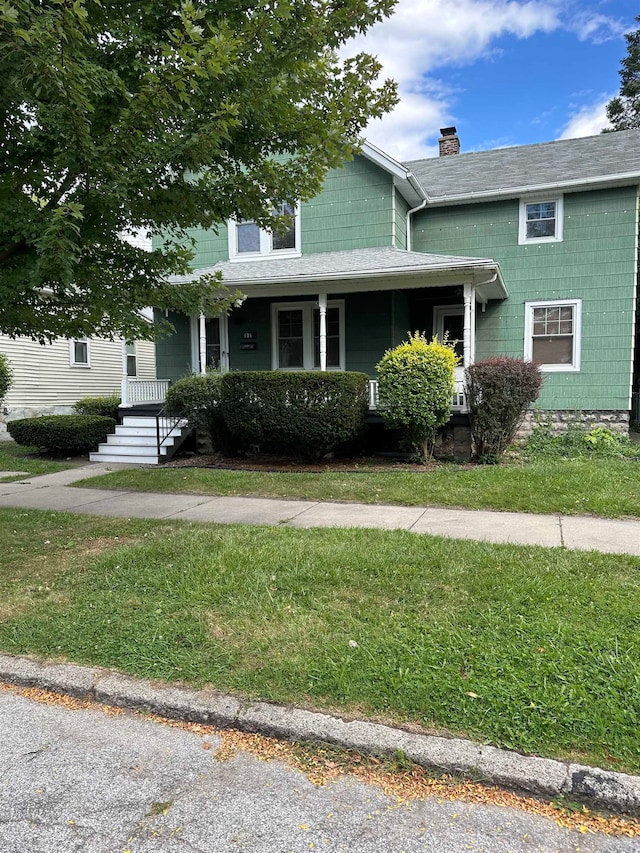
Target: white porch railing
144,391
458,401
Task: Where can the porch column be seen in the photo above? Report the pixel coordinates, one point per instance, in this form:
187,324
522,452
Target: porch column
224,343
124,385
322,304
469,333
202,337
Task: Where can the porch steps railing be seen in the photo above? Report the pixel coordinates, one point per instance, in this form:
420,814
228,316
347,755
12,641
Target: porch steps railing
136,440
458,401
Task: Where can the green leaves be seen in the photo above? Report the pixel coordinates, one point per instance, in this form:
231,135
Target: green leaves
160,117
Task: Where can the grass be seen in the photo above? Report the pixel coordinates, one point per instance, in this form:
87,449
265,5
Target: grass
603,487
527,648
14,457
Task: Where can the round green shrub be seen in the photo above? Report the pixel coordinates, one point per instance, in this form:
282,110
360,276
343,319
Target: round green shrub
416,389
62,434
6,375
106,407
304,413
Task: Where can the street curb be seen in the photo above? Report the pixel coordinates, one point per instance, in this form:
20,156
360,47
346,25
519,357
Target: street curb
541,776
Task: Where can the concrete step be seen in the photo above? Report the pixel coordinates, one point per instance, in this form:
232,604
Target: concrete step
131,421
139,440
113,457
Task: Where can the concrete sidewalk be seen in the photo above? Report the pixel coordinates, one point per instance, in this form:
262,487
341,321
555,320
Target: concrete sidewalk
56,492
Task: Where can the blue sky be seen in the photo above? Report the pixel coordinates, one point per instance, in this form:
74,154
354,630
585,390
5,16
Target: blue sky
504,73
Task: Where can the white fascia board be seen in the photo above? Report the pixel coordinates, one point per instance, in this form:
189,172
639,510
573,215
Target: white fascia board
404,179
598,182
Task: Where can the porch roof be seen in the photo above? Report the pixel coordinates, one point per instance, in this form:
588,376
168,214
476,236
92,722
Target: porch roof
377,268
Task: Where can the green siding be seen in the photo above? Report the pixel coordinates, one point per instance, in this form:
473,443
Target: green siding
253,316
173,352
353,211
593,262
374,322
402,208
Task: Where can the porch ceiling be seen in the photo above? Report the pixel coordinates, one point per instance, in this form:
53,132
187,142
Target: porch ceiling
380,268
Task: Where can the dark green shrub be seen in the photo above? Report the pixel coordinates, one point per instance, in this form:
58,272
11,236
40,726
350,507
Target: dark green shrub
65,434
304,413
416,389
197,398
499,391
6,375
106,407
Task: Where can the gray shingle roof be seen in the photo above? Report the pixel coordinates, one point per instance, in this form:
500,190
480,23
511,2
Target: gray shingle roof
501,170
348,264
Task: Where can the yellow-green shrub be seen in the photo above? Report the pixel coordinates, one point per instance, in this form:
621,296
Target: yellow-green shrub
416,387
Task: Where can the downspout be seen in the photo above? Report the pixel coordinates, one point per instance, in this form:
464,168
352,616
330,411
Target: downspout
413,210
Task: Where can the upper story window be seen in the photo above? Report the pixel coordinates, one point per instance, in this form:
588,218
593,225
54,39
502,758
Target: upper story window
247,241
552,332
541,220
79,353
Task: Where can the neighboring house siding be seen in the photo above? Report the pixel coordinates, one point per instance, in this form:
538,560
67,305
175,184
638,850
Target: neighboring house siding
594,262
43,377
173,352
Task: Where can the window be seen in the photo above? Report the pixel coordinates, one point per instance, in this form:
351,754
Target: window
552,334
132,361
296,336
247,241
79,352
541,220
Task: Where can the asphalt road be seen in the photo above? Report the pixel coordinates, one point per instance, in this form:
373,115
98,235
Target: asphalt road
83,781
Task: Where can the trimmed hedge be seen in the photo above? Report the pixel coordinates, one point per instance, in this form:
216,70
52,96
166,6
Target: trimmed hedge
499,392
415,388
197,398
6,375
303,412
106,407
64,434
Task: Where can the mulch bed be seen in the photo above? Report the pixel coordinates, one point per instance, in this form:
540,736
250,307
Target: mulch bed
271,463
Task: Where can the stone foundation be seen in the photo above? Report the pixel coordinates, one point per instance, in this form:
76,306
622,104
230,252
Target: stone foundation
558,421
14,413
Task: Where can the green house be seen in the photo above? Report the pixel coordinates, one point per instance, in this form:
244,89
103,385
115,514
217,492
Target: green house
528,251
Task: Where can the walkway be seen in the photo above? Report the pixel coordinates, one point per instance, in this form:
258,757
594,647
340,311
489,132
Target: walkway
57,492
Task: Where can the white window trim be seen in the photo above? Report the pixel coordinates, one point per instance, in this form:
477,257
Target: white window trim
266,252
576,304
522,228
72,353
307,332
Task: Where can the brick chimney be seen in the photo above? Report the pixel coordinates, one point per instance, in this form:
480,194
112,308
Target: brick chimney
449,142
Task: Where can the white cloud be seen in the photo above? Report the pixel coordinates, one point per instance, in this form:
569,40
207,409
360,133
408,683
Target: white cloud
596,28
588,120
424,37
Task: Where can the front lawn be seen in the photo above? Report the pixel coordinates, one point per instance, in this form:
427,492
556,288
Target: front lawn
528,648
599,486
14,457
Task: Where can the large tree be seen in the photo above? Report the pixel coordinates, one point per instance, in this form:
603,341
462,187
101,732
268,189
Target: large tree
623,111
160,116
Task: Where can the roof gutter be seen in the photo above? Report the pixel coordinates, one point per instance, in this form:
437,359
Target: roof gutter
620,179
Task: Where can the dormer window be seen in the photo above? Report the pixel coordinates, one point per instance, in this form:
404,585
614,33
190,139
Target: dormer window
247,241
540,220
